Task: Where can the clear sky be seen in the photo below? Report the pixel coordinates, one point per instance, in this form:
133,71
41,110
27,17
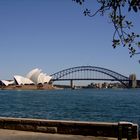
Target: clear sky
54,35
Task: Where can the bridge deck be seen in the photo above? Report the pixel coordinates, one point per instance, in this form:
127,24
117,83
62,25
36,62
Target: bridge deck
97,79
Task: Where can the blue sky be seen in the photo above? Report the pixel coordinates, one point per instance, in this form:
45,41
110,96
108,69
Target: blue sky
54,35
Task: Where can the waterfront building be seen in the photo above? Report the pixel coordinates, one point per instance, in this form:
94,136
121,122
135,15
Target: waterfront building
34,77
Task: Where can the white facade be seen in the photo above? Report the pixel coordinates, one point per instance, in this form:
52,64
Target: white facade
35,76
20,80
38,77
43,78
7,83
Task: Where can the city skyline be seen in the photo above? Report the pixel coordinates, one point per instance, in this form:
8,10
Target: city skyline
56,35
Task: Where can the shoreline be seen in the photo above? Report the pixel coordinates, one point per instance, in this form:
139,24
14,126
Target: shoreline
29,87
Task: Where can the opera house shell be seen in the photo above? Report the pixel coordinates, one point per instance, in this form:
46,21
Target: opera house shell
6,82
38,77
34,77
19,80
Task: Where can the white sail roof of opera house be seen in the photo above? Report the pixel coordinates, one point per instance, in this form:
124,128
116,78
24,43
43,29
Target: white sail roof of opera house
6,82
35,76
43,78
38,77
20,80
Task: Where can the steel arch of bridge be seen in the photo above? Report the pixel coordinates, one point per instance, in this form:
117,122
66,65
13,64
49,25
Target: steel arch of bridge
59,76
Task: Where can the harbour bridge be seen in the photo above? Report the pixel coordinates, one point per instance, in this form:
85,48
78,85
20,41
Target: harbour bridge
89,73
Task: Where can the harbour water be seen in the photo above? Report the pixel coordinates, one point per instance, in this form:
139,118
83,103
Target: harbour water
104,105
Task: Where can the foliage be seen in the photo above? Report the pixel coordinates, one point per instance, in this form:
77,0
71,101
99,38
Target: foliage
122,33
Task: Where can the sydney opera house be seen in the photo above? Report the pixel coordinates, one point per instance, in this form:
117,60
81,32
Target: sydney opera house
33,79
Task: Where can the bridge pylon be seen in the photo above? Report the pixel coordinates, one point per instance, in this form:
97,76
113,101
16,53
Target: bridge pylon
71,83
132,81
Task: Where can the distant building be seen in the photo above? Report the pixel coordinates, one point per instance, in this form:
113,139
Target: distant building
105,85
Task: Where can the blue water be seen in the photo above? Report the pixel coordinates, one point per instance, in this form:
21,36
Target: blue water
110,105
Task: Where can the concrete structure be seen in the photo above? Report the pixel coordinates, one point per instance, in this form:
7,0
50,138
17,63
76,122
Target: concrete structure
105,130
6,134
133,81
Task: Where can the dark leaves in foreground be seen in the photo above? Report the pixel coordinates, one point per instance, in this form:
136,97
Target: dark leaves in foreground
122,34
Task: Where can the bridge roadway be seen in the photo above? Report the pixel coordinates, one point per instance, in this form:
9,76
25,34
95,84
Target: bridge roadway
96,79
6,134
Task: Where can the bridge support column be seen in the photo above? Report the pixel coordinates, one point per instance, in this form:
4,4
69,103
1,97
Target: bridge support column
132,81
71,83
